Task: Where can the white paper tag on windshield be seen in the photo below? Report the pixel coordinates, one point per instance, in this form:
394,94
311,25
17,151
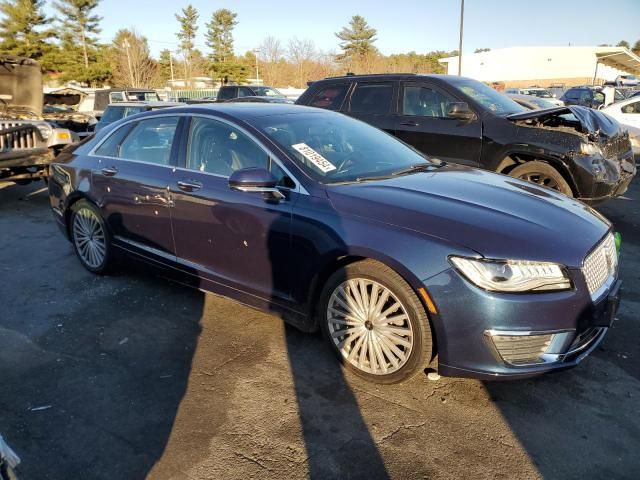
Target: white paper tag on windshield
314,157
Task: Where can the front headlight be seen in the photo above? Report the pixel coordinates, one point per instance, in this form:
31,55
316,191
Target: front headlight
590,149
45,130
513,275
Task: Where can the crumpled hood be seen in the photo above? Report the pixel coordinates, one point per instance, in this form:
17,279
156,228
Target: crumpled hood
593,123
495,215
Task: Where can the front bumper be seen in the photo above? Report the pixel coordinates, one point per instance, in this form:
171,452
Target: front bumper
467,313
613,182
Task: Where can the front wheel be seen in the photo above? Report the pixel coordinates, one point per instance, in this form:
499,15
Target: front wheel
91,239
375,323
543,174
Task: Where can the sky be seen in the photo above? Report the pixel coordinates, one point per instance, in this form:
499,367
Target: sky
403,26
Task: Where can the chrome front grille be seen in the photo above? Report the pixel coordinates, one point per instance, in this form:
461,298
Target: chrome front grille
521,349
601,264
18,136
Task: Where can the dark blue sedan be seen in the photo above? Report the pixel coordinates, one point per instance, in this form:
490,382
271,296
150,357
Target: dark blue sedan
402,261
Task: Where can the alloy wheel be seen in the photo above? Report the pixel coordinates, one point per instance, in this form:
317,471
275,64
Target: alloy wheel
89,238
369,326
540,179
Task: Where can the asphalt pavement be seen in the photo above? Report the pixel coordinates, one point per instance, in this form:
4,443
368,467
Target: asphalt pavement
132,376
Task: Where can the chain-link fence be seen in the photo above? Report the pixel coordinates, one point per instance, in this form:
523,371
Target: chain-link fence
182,95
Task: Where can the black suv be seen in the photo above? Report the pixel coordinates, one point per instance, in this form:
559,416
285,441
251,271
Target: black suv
576,150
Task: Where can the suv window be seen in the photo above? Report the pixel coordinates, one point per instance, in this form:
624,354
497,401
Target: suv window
245,92
116,97
330,97
227,93
572,94
585,96
150,141
218,148
371,98
424,102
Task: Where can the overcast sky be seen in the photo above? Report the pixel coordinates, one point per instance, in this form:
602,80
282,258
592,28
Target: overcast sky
419,25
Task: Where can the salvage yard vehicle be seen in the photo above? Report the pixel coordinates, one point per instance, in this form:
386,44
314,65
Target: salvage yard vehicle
28,144
118,111
61,108
536,92
335,225
531,102
577,151
627,112
228,92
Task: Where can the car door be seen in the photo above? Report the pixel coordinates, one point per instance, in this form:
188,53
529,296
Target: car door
135,167
422,122
236,238
372,102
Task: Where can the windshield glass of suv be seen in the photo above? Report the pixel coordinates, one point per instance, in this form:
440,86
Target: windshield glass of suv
143,96
267,92
333,148
488,97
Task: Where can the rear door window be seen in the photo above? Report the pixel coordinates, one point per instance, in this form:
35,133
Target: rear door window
330,97
424,101
150,141
244,92
116,97
372,98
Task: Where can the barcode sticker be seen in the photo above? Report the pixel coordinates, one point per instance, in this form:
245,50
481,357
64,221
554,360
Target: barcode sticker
314,157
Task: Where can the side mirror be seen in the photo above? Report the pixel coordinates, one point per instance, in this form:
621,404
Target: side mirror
257,180
460,111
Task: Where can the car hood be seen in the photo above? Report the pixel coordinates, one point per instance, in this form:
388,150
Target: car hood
495,215
593,123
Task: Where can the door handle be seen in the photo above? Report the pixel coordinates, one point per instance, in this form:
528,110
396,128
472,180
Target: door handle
410,123
109,171
189,185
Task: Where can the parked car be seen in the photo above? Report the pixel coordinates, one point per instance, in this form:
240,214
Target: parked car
592,97
28,143
626,112
62,108
531,102
536,92
118,111
577,151
627,81
258,99
227,92
335,225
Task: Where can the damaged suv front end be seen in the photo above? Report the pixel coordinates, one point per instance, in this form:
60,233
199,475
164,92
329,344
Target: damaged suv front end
593,148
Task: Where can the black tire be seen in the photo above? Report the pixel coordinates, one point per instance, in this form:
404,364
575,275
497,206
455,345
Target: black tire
84,207
543,174
417,320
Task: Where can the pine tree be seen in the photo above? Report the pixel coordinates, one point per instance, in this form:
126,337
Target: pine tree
188,29
220,35
166,63
357,39
623,43
23,30
79,26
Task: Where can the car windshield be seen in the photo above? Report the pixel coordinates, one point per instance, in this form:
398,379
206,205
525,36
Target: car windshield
267,92
333,148
489,98
143,96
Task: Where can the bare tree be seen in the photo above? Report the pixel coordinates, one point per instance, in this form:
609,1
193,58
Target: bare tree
302,53
271,56
132,63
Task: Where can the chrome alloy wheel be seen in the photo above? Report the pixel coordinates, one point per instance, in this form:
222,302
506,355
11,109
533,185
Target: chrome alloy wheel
540,179
89,238
369,326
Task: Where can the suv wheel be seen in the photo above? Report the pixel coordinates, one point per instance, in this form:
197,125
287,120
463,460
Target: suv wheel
543,174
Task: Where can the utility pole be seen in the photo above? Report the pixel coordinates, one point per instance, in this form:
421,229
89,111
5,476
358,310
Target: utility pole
460,44
256,51
171,65
126,46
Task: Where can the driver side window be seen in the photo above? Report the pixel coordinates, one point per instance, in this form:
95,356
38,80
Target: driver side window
424,102
218,148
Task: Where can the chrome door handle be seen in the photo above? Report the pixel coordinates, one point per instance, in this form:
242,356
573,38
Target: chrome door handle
109,171
189,185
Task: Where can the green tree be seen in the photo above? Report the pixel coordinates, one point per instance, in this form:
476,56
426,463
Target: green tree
24,32
79,26
187,34
220,35
166,64
357,39
636,47
623,43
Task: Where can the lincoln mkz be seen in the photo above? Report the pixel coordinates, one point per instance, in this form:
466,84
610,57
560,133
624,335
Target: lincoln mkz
404,262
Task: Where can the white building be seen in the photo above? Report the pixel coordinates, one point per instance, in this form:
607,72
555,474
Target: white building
526,66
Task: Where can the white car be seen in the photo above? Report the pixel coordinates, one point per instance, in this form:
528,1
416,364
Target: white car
627,112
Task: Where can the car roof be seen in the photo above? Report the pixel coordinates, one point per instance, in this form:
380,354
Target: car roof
399,76
245,110
142,103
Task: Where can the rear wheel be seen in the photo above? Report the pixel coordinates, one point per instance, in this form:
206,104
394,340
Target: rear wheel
91,239
375,323
543,174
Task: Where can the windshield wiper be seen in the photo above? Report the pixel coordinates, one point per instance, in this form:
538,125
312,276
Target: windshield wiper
419,167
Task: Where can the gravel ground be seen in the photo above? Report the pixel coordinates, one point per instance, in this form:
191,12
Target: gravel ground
132,376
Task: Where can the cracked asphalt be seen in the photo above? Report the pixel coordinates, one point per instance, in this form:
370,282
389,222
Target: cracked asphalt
132,376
